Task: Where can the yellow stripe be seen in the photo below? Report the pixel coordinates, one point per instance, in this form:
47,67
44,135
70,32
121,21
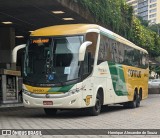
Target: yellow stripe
37,89
64,30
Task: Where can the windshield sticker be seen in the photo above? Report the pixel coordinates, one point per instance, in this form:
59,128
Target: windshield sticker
67,70
51,77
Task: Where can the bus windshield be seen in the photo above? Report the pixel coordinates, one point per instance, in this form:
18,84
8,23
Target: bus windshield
52,60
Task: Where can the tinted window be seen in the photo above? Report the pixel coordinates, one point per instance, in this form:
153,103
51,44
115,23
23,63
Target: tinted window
113,51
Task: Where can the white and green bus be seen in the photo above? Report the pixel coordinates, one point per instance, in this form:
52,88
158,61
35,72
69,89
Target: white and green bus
82,66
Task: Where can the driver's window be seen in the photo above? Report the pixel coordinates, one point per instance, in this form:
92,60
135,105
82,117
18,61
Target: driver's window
90,53
92,48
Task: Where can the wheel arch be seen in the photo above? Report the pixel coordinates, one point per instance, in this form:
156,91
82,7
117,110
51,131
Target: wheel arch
100,91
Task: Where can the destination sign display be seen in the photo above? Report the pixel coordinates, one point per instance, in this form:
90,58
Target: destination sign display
37,41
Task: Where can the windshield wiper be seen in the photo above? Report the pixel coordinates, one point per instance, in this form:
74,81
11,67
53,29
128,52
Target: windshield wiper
49,67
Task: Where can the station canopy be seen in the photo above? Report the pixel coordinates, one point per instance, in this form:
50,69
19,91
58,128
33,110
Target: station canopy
28,15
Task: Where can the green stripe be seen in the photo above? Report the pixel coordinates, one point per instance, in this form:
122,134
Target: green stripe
118,79
61,89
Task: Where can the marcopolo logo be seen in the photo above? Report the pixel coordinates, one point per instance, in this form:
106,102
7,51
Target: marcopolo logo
134,73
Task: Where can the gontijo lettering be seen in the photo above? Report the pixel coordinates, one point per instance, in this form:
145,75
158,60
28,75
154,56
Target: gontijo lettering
134,73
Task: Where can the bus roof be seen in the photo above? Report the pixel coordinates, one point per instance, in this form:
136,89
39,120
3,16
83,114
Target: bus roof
75,29
70,29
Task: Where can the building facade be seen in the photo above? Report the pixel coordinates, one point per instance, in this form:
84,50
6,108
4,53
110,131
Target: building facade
147,9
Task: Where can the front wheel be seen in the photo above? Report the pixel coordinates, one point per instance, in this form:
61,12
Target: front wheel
95,110
50,111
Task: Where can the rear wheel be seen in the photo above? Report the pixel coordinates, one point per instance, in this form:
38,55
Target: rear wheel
95,110
135,103
138,99
50,111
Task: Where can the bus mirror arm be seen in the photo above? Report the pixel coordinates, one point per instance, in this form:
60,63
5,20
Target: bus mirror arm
14,55
14,52
82,50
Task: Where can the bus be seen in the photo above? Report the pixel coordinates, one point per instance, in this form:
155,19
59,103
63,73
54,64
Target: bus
78,66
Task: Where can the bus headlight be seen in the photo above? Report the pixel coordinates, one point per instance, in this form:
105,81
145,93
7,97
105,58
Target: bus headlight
26,92
74,91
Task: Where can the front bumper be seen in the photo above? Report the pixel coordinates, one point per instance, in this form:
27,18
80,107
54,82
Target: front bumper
70,101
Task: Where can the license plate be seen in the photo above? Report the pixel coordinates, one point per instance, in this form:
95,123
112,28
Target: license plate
47,103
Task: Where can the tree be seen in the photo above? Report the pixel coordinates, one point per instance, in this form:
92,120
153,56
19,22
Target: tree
143,22
118,17
155,28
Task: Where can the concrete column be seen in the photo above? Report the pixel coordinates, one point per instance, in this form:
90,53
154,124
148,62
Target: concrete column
7,43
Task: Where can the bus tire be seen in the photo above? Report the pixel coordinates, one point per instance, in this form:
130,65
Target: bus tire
95,110
50,111
136,101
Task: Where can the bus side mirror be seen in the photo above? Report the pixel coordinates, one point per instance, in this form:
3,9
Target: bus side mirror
82,50
15,51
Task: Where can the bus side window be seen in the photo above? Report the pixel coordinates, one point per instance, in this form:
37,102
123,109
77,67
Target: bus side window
101,51
104,52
